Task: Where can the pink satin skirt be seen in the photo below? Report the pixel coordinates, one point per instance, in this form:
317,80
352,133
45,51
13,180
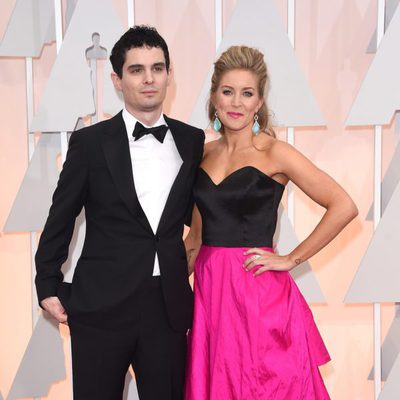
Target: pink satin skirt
252,337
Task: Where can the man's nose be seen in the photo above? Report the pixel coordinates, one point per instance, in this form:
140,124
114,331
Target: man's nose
148,77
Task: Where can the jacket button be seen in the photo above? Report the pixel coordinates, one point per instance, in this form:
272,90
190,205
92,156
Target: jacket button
157,238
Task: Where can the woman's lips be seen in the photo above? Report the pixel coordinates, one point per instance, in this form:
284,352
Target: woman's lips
234,115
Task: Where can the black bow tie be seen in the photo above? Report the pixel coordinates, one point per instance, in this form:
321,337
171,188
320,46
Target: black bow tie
158,132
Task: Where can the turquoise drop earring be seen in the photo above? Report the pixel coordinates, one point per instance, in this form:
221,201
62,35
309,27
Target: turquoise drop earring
217,123
256,126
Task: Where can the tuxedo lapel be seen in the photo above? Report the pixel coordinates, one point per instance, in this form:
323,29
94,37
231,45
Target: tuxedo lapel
182,143
115,145
185,149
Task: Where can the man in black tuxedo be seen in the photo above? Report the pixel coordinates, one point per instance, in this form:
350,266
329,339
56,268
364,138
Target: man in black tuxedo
130,302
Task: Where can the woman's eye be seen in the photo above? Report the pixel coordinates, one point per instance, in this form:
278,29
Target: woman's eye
226,92
248,94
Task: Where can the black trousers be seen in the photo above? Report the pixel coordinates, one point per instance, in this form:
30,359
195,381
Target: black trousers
101,357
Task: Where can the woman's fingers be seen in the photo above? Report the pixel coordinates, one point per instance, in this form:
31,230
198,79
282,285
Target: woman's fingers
252,261
254,250
266,261
260,271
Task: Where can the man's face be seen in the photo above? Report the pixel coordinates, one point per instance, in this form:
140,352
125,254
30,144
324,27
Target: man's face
144,79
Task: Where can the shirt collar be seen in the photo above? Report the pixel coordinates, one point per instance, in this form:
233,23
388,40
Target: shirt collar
130,122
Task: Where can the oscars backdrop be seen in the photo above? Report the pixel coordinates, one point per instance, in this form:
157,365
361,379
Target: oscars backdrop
335,92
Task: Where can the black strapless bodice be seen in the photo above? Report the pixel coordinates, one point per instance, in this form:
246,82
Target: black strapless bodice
241,211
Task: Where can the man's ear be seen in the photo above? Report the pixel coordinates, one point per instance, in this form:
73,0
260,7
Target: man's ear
170,75
116,81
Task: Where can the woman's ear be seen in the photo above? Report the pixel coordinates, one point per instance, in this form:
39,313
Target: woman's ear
260,103
212,100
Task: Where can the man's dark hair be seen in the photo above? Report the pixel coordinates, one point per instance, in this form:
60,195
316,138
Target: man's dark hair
137,36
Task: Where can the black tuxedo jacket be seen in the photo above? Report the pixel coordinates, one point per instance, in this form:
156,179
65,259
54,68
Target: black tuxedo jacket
120,246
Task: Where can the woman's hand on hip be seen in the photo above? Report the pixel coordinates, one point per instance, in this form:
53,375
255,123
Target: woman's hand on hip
266,261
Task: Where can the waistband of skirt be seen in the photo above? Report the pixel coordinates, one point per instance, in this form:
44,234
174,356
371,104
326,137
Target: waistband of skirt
241,248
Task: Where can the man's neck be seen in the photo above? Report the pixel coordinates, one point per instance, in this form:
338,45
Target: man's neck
148,118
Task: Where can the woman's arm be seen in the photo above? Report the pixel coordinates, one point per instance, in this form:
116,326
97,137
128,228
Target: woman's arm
193,239
320,187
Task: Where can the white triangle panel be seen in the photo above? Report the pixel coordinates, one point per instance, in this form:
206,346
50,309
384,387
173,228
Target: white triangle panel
390,8
256,23
130,390
31,205
42,364
391,389
69,93
31,26
390,347
389,182
75,247
378,276
379,95
286,240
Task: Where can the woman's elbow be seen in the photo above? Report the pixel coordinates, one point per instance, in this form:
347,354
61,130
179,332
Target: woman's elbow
351,210
344,207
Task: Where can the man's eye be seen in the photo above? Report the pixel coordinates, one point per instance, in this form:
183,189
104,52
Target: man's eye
159,68
136,70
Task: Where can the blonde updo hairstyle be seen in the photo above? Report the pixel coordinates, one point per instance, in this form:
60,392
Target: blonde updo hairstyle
249,59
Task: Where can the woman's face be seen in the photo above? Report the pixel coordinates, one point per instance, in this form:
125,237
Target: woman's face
237,100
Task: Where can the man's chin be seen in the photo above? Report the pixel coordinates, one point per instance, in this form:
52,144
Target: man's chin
149,107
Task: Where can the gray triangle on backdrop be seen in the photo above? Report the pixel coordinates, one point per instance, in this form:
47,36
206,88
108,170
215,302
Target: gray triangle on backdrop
71,4
390,347
43,362
130,389
397,126
379,95
68,92
389,183
75,247
31,205
31,26
378,275
390,8
391,388
286,240
79,124
256,23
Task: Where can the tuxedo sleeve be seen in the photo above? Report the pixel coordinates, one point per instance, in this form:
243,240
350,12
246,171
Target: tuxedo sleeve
199,156
68,200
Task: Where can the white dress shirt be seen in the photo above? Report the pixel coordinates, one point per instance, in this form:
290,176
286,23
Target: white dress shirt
155,166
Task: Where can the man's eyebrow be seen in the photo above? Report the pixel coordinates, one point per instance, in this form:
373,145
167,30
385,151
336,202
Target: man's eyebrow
135,66
157,64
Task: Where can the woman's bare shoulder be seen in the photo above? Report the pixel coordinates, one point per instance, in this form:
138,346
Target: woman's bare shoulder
269,144
210,146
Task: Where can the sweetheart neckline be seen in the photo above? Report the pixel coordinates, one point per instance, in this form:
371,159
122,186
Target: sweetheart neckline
238,170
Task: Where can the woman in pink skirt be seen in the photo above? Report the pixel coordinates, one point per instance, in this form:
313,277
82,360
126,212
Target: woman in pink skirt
253,335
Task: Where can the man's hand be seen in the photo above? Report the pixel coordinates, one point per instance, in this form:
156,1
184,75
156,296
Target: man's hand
54,307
